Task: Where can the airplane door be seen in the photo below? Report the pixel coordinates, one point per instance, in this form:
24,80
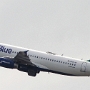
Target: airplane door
83,67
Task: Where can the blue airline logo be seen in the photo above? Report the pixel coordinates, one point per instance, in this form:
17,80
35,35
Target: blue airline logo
6,50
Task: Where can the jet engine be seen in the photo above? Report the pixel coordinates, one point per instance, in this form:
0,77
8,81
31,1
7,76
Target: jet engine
23,68
32,71
9,62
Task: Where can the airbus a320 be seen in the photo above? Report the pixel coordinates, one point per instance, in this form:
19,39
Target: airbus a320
33,61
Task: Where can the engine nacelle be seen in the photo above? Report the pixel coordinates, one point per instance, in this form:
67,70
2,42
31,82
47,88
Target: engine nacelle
32,71
23,68
7,63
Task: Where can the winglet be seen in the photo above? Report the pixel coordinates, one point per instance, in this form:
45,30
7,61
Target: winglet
26,51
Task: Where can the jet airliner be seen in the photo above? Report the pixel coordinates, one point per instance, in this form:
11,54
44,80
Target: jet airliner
33,61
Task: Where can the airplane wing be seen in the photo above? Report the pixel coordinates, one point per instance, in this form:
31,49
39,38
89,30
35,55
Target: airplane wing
23,58
22,62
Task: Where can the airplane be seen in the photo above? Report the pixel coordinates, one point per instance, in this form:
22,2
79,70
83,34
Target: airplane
33,61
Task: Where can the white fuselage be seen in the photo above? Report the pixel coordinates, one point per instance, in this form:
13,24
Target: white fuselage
49,62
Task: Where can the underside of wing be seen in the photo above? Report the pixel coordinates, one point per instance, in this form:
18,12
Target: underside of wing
23,58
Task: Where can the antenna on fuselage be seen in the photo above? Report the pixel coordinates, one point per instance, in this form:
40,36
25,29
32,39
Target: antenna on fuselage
62,55
51,53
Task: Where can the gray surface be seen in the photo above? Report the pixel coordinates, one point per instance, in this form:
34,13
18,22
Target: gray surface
60,26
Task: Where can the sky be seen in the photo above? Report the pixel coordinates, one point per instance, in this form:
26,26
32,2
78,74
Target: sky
60,26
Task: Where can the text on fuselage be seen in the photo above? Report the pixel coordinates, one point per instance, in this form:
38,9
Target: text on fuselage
6,50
